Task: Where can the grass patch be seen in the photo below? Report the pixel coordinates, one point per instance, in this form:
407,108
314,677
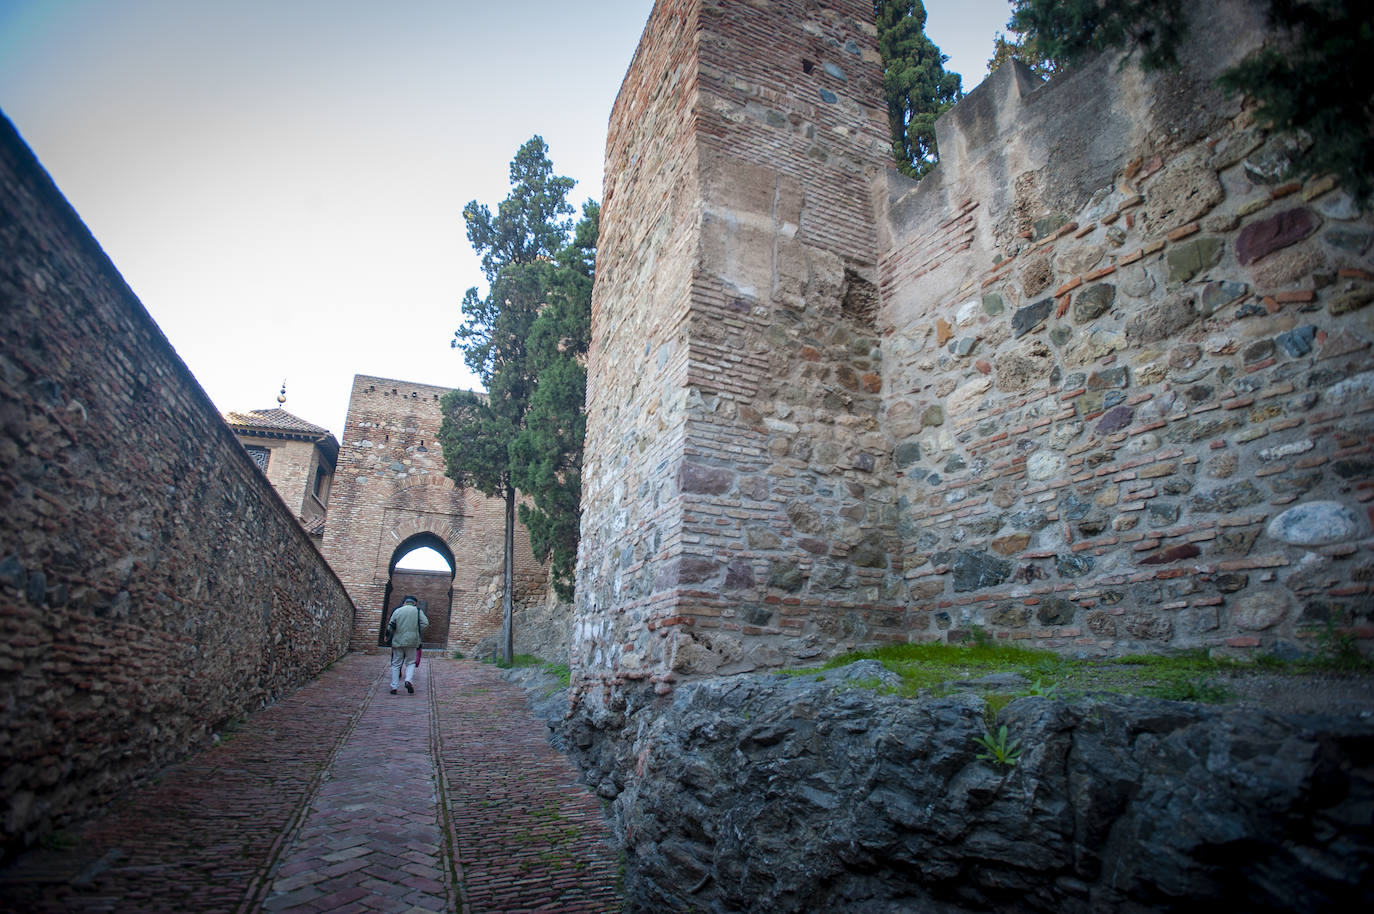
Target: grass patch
558,671
936,669
924,667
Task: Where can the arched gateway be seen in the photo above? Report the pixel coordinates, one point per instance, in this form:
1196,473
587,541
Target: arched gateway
391,497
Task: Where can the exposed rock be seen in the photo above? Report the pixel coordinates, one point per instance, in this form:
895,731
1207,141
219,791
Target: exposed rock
1023,367
768,793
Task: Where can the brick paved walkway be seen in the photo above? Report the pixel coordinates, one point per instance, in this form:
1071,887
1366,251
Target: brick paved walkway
345,798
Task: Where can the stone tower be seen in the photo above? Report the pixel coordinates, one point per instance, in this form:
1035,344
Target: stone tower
391,496
732,446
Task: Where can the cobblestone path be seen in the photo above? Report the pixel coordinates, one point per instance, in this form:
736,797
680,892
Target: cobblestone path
345,798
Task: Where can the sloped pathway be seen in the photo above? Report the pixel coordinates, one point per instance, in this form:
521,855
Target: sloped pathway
345,798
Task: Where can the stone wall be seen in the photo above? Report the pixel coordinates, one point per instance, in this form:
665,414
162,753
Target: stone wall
153,586
1129,383
390,495
764,793
1100,382
738,507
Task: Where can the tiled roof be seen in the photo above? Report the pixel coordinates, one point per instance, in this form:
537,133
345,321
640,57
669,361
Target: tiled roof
274,420
314,526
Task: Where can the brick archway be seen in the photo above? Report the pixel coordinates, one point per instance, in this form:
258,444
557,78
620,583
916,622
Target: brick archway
390,493
432,589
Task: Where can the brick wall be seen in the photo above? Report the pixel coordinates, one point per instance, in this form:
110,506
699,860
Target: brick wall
390,495
733,450
1099,382
153,586
432,589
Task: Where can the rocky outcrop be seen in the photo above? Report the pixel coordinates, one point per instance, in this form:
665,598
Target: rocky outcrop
781,793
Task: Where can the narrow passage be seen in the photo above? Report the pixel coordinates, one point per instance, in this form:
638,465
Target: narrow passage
345,798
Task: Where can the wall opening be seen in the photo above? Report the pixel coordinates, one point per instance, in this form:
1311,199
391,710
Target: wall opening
423,566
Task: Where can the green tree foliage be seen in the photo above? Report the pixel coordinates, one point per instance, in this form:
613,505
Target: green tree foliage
1316,81
1066,31
529,223
525,434
1024,48
546,454
1321,82
915,82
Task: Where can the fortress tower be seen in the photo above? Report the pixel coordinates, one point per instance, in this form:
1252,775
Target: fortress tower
733,452
391,496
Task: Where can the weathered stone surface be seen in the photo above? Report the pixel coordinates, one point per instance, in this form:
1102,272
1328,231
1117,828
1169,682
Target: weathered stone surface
897,812
804,517
1010,544
993,304
1298,341
696,479
906,453
1093,302
1023,367
1056,611
1191,258
739,575
1161,321
1135,281
1028,318
1114,419
1227,498
1036,276
973,570
1183,192
1346,302
1274,233
1080,259
1316,523
1262,610
1221,293
786,576
1044,465
1172,554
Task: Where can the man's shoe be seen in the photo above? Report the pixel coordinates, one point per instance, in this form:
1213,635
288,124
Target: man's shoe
410,688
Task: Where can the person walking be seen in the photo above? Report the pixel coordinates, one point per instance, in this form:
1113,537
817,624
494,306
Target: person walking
403,634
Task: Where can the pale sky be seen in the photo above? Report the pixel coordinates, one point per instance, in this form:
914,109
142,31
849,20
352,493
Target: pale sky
281,181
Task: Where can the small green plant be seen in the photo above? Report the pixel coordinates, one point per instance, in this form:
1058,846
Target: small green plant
1336,650
57,841
1044,691
998,749
559,671
976,636
993,705
457,655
